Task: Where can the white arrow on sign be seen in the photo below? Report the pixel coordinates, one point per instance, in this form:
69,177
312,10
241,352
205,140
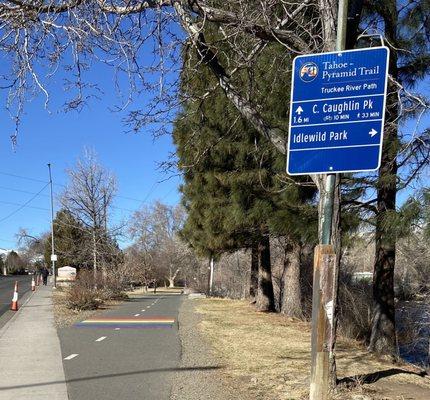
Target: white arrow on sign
299,110
373,132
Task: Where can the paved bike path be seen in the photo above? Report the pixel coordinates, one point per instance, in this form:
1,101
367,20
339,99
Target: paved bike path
108,363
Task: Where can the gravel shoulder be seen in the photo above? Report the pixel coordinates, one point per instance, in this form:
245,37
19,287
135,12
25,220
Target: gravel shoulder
200,374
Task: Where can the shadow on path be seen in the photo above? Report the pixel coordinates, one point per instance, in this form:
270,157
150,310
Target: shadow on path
89,378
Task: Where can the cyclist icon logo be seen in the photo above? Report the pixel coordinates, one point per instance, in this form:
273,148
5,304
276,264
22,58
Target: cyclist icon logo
308,72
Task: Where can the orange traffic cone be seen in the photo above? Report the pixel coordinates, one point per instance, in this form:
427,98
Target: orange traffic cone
14,305
33,284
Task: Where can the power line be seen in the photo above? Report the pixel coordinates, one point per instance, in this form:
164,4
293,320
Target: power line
151,189
123,209
140,201
10,203
62,185
167,194
124,197
20,191
25,204
83,227
130,198
22,177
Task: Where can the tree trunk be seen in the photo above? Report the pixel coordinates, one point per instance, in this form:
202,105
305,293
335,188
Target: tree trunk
208,287
265,295
383,336
172,277
94,256
291,303
336,241
253,283
211,276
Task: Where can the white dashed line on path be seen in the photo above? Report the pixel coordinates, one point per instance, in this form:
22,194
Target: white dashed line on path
148,306
117,329
143,310
71,356
136,315
101,338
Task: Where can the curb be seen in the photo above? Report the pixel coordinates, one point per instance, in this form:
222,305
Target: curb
6,326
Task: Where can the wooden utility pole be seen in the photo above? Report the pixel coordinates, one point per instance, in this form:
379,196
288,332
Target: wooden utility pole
325,282
323,305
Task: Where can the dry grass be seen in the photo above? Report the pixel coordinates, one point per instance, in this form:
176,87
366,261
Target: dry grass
270,355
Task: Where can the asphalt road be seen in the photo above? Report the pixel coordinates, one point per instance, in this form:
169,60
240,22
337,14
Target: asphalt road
7,284
124,364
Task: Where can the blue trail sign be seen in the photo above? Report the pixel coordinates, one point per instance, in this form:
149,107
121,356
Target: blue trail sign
337,111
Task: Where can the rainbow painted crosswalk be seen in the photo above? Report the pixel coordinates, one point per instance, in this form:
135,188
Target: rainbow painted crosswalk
150,322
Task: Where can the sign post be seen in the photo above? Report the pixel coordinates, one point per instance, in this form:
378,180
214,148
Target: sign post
336,125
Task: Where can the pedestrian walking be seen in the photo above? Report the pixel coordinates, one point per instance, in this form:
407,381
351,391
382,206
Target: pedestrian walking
44,272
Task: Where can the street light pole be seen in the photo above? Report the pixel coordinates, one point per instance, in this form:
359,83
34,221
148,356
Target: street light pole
52,230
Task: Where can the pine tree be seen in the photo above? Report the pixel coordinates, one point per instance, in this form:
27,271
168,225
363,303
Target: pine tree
71,242
232,190
227,207
404,27
14,263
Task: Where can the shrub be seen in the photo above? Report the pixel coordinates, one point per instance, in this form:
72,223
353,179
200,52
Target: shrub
355,309
85,279
82,298
109,293
112,288
88,292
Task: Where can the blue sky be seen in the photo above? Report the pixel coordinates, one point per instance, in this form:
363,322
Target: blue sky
59,138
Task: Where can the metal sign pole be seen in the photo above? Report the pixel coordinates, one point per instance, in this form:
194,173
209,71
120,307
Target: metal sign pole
328,199
331,178
52,231
325,283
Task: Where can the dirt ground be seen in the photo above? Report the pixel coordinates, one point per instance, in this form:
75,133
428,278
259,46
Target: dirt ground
269,355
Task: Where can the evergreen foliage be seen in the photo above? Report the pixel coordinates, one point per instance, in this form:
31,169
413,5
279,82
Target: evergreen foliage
235,187
71,242
406,31
14,263
236,191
